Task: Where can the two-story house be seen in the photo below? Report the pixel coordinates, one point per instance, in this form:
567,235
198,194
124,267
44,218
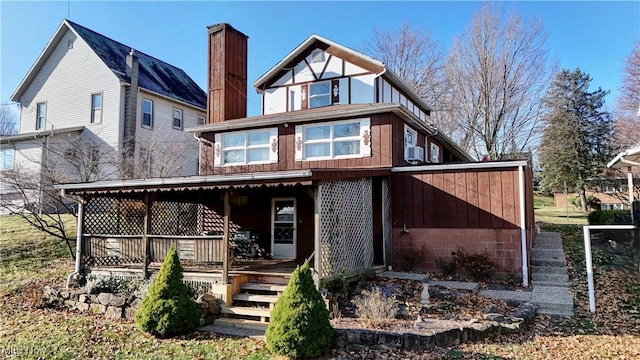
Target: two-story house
93,108
342,168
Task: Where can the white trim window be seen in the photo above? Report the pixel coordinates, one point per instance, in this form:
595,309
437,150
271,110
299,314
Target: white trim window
96,108
6,159
200,120
177,119
147,114
410,140
435,153
246,147
335,140
319,94
41,115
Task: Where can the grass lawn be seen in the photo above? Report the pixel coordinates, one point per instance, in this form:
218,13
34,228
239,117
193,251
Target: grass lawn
547,212
30,260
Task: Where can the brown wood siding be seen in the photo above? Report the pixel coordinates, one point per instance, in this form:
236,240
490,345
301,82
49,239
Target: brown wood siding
457,199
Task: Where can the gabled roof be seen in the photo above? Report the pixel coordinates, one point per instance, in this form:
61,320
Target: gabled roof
154,75
629,157
316,41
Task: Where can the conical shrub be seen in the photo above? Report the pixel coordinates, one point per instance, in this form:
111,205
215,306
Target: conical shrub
167,309
299,324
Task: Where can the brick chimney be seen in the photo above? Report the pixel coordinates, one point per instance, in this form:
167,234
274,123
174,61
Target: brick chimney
130,114
227,80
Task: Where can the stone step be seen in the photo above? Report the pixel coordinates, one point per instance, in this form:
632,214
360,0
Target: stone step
263,287
241,323
555,309
549,262
553,300
263,313
551,278
547,254
547,244
255,298
551,270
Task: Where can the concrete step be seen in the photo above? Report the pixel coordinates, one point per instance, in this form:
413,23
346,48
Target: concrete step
546,283
263,287
549,262
241,323
555,309
547,254
551,278
246,311
255,298
553,300
551,270
550,244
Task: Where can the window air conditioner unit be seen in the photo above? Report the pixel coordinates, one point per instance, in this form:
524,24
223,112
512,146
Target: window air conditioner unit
414,154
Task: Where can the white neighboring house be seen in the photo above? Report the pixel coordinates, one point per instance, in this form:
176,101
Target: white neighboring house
129,107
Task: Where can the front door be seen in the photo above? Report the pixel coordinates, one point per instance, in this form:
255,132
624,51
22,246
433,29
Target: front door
283,228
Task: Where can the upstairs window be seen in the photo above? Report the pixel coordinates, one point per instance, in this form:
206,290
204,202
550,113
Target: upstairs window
41,115
251,147
319,94
6,159
200,120
342,139
96,108
177,119
147,113
317,56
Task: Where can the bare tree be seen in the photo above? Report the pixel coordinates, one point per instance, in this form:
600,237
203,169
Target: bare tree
498,72
8,122
415,57
627,113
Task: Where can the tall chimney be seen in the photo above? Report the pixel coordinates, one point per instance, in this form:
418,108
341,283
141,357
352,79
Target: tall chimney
227,80
130,115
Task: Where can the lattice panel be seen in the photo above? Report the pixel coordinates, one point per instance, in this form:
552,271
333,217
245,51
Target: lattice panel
113,216
105,251
175,218
346,227
386,221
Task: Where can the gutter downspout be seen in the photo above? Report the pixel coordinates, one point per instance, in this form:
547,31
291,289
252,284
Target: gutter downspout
78,239
523,230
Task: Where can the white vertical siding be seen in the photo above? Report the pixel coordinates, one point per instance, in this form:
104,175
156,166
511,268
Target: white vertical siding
65,83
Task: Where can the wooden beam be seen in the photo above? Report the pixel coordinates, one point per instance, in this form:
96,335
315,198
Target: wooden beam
145,235
225,243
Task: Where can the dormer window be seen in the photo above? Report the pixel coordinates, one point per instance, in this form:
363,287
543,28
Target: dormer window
319,94
317,56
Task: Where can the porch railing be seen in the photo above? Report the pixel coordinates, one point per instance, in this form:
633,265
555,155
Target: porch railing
123,250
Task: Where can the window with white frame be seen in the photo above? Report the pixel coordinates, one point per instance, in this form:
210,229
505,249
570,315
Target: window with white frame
343,139
317,55
177,119
96,108
248,147
200,120
435,153
319,94
41,115
147,113
6,159
410,140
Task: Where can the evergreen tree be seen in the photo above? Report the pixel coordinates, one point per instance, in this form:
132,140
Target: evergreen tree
299,325
577,142
167,309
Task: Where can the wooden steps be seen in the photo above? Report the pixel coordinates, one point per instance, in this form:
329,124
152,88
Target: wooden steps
241,323
279,288
258,298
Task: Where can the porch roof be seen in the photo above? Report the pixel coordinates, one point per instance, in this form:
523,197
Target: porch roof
629,157
240,180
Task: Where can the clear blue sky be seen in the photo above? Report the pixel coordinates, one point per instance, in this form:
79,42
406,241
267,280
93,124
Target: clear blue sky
595,36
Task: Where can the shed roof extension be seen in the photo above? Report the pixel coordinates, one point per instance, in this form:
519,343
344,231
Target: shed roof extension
154,75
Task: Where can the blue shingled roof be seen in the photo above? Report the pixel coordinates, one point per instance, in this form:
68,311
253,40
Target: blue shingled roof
153,74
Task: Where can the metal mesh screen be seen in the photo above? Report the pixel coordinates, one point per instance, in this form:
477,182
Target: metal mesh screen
386,221
346,227
113,216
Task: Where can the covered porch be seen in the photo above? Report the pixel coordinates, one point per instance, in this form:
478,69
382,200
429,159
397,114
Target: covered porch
230,229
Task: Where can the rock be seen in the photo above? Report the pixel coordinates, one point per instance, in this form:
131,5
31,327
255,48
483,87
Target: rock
117,301
450,317
104,298
202,304
113,312
135,303
209,298
210,303
97,308
356,347
419,320
93,299
130,312
402,312
65,294
382,347
490,310
70,304
82,306
525,311
83,298
513,303
494,317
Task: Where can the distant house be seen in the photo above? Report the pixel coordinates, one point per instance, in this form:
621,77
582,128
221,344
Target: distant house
87,90
342,168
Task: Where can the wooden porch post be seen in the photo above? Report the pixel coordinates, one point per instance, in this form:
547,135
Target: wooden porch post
145,235
317,258
225,243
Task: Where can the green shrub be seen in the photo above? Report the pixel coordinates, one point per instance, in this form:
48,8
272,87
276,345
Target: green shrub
604,217
592,202
167,309
479,265
299,324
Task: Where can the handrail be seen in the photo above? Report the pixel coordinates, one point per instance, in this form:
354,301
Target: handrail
214,237
587,254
